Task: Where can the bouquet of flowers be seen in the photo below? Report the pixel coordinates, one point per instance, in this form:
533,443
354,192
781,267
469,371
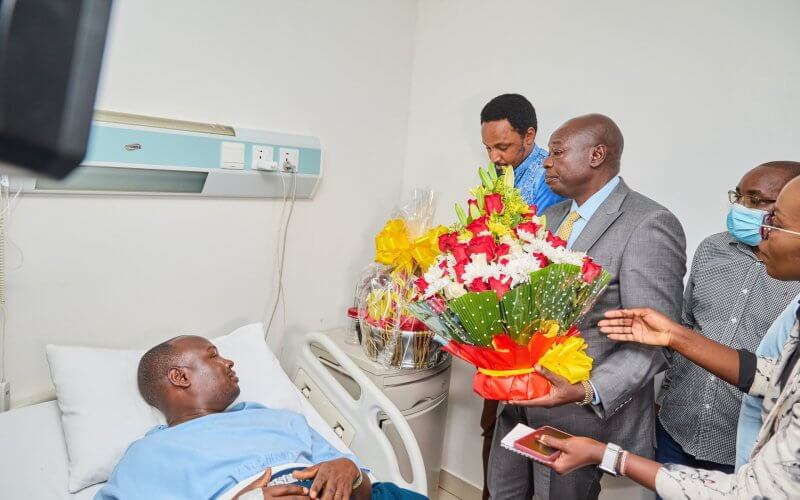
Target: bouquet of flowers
505,294
404,248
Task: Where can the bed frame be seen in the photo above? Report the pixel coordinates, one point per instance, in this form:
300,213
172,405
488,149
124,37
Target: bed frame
355,421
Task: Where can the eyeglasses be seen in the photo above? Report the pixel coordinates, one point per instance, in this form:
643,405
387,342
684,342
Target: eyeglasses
767,227
735,196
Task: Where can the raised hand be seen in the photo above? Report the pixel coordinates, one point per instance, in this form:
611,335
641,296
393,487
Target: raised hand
645,326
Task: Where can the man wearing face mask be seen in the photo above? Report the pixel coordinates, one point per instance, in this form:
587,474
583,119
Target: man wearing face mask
730,299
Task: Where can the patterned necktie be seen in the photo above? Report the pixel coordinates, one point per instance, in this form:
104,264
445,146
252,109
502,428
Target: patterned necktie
565,230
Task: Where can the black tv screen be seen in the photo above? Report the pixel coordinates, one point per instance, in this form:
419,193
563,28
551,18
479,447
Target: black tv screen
50,57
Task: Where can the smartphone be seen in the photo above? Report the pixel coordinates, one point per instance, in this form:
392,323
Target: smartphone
530,444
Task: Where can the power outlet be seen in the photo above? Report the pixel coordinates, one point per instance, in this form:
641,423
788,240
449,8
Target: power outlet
5,396
262,158
289,159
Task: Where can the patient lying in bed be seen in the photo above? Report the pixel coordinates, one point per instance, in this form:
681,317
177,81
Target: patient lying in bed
206,450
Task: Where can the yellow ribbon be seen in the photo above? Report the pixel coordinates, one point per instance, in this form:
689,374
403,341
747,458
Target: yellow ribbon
506,373
393,247
569,360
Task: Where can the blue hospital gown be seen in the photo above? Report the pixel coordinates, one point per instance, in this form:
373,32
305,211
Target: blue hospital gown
205,457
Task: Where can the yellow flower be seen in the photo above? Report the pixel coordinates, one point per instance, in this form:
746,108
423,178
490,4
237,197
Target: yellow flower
498,228
568,360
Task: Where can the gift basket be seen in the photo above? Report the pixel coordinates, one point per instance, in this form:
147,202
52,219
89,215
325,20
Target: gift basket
407,244
505,294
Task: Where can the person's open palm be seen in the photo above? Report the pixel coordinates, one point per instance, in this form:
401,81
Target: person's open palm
644,326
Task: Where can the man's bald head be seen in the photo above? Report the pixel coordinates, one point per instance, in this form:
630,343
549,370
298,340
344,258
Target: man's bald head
585,153
186,375
599,130
153,369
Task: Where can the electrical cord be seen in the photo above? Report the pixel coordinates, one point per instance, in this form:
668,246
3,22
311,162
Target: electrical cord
282,253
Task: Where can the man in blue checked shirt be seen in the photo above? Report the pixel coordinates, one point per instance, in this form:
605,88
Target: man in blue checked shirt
508,130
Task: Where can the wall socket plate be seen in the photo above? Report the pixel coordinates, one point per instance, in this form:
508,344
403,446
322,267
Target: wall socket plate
262,158
289,159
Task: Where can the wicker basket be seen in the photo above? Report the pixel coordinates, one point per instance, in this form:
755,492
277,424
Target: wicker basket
412,350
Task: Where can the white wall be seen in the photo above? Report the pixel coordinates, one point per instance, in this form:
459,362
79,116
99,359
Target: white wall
132,271
702,91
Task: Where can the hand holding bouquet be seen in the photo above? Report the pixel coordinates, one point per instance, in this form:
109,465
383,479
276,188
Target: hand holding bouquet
505,294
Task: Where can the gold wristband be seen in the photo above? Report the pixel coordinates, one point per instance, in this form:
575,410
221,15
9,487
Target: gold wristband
589,393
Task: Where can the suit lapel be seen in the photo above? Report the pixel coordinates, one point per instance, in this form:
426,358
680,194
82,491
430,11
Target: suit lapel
606,214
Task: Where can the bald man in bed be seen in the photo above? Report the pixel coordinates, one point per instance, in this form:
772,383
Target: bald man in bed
206,448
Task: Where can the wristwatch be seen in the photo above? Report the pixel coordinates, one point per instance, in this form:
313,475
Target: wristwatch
610,456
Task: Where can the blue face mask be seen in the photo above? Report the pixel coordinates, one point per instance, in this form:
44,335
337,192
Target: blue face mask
744,224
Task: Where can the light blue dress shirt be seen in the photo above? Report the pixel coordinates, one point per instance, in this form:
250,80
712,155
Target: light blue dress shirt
205,457
586,211
529,179
750,414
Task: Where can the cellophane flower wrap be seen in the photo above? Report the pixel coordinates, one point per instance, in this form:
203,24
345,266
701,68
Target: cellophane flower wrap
404,248
505,294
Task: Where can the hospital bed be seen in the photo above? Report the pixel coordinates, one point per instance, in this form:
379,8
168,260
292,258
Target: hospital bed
33,454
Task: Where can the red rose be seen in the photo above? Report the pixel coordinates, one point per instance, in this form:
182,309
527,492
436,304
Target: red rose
555,241
542,258
473,203
533,210
482,244
477,285
493,203
502,249
422,285
500,286
529,227
590,270
460,252
459,269
478,226
443,267
447,241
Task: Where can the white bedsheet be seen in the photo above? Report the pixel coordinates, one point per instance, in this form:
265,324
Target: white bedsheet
33,457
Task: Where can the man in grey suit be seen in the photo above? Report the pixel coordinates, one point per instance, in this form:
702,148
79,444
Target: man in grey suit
642,245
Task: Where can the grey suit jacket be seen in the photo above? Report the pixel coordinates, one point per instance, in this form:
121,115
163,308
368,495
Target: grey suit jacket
643,246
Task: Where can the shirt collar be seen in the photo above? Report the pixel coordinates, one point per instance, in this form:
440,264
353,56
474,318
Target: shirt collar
591,205
745,249
528,162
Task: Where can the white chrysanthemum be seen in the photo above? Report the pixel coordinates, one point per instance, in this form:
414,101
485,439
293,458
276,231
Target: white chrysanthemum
559,255
520,266
454,291
437,278
479,268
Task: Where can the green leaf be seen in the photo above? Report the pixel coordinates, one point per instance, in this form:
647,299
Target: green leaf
479,313
462,216
492,171
517,313
488,183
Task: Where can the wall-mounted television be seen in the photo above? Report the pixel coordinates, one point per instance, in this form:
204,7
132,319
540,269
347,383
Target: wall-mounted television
50,57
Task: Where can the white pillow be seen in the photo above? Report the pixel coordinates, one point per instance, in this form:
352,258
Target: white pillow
102,412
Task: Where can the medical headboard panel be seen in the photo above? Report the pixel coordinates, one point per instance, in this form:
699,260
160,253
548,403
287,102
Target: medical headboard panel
140,155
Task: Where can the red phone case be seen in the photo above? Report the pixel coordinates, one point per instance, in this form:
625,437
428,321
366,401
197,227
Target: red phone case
530,444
